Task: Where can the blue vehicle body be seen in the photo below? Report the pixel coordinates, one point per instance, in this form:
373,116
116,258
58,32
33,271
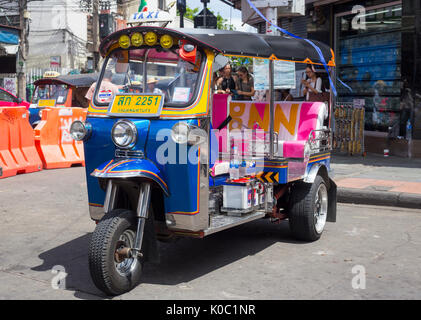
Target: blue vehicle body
177,181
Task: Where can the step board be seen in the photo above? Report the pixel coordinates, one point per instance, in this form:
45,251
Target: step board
221,222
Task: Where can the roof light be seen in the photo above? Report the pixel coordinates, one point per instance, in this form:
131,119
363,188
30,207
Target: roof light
124,41
137,39
166,41
151,38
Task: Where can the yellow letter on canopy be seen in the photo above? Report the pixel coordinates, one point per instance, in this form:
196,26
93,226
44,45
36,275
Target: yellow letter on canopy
236,113
280,118
255,116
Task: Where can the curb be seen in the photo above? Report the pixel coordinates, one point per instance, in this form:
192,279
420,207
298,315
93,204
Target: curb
379,198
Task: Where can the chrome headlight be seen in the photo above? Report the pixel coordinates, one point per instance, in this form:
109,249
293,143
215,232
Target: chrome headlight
124,134
80,130
184,133
180,132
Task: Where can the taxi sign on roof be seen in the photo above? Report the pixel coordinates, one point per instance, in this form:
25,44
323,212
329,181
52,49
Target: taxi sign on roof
51,74
150,16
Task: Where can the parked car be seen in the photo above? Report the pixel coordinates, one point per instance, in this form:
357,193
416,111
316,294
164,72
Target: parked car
8,99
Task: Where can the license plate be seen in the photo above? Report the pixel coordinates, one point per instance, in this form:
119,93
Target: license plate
46,103
137,105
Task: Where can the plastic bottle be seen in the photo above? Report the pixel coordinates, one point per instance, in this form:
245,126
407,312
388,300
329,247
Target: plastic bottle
251,170
243,169
234,170
408,130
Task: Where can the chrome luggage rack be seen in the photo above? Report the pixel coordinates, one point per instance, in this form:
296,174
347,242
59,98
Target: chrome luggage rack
320,140
254,145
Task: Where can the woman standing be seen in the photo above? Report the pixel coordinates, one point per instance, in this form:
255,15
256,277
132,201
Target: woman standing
245,84
313,84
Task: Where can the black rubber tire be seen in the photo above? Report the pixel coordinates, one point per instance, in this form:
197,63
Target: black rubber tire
101,253
301,210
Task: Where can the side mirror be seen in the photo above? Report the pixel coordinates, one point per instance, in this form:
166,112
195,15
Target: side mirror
19,100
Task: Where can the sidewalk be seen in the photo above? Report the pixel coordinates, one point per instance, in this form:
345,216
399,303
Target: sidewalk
377,180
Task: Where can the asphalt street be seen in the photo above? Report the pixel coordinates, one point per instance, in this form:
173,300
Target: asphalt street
45,230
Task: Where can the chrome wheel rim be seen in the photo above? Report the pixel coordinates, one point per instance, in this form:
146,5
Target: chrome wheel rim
126,266
320,208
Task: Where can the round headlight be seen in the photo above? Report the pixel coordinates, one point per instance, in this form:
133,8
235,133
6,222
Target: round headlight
78,130
150,38
124,41
166,41
137,39
124,134
180,132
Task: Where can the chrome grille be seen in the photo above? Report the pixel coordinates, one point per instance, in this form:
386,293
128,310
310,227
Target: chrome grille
119,153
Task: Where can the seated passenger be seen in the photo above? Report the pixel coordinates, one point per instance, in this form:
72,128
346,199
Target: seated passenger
286,95
151,86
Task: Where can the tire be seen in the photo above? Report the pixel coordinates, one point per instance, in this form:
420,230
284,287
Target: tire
308,209
109,276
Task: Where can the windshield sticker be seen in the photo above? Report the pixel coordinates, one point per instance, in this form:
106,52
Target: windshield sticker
60,99
105,95
181,94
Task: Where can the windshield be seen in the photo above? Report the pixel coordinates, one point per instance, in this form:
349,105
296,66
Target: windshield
56,92
165,73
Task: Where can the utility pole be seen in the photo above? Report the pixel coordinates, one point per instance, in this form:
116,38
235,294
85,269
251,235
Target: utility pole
95,30
23,49
181,6
205,8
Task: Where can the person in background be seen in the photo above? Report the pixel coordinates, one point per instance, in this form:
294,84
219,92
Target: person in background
286,95
215,77
227,82
245,84
152,86
106,85
313,84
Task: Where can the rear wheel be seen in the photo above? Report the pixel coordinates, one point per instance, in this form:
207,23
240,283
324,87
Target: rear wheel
112,272
308,209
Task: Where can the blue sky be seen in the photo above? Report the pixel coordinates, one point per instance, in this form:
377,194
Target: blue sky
224,10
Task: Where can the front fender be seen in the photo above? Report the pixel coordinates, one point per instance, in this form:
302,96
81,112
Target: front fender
131,168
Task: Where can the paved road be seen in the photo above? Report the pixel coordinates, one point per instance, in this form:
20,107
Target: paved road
45,223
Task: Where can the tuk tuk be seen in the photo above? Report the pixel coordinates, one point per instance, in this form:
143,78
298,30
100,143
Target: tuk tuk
167,157
54,90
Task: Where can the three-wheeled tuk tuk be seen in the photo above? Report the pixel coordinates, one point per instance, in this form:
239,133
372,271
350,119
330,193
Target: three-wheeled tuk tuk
60,91
166,157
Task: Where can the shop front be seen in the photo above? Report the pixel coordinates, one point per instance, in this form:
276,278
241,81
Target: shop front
375,45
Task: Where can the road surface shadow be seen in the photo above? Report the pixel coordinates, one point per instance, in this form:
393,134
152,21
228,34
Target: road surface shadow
180,261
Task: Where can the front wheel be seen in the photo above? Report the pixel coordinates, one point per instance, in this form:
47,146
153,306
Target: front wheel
110,272
308,209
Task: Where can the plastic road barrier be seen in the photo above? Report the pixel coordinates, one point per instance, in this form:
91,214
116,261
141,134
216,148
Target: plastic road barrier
17,143
53,141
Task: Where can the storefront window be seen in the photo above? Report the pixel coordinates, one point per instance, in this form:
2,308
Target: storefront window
368,47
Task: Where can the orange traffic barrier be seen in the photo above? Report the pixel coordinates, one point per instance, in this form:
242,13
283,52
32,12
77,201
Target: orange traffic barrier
53,141
17,143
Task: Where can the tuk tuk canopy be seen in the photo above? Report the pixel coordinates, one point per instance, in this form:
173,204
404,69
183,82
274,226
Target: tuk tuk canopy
236,43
